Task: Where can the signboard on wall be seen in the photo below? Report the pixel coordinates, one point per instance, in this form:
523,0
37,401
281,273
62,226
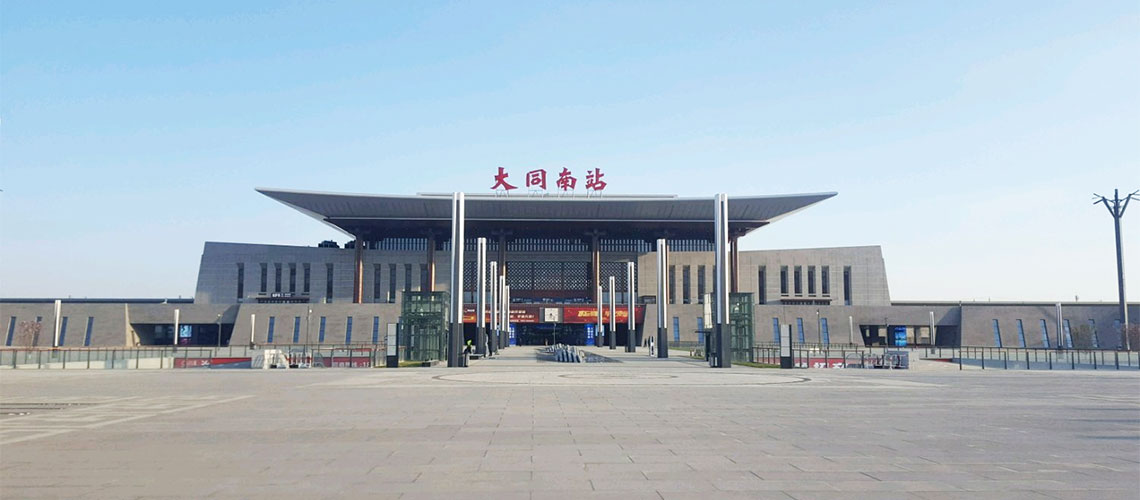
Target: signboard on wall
563,314
589,314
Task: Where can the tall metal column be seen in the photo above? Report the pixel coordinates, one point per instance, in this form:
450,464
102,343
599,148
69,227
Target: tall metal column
734,253
504,312
662,298
358,272
506,333
481,297
431,259
601,324
723,358
455,337
612,337
1060,328
631,333
595,260
494,285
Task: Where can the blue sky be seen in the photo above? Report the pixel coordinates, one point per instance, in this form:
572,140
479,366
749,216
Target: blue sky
966,138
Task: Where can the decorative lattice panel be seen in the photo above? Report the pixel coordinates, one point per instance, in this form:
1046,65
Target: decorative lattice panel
520,275
618,271
469,276
575,276
547,275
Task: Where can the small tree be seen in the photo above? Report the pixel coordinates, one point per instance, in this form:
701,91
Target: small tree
1082,336
1132,333
29,333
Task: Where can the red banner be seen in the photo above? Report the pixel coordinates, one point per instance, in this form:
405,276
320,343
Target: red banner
589,314
519,314
532,313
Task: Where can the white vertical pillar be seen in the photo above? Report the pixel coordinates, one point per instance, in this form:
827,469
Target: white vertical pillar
601,324
176,323
723,358
481,296
455,335
58,312
851,330
494,309
506,311
631,333
1060,328
252,329
662,299
612,337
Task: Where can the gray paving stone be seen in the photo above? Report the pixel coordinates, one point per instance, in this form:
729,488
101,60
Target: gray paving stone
511,428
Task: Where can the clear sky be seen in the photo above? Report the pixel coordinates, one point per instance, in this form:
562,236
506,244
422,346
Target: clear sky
966,138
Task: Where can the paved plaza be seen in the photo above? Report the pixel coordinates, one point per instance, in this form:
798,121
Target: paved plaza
517,427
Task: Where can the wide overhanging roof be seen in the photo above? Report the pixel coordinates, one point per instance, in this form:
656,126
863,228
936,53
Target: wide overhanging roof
374,217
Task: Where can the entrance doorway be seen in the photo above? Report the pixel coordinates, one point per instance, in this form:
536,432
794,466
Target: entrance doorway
550,333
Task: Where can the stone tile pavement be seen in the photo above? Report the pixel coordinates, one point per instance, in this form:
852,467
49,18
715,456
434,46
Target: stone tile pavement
517,427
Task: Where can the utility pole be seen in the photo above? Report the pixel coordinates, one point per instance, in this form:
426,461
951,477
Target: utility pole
1116,210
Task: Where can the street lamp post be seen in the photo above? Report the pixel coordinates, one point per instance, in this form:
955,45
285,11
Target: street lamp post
611,339
218,321
818,327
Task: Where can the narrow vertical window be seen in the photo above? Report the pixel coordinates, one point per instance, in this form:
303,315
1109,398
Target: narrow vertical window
306,278
11,331
269,332
762,287
277,277
391,283
686,284
701,329
348,330
798,280
701,288
329,282
825,332
1021,334
376,288
672,284
1068,335
321,332
296,329
676,329
776,330
292,277
63,330
800,329
1044,334
87,332
241,280
811,280
783,280
264,278
997,334
407,277
825,280
376,329
847,285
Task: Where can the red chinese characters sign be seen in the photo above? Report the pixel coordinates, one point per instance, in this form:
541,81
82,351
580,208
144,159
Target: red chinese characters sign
535,180
589,314
570,314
